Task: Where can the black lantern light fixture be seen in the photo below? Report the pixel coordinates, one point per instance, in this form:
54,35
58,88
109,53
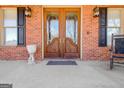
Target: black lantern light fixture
28,12
96,12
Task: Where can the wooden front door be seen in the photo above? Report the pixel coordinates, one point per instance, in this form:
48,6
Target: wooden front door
62,32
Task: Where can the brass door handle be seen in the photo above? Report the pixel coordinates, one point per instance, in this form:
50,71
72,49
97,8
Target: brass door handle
63,40
60,40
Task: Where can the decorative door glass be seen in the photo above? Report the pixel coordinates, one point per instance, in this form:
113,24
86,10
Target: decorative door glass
72,27
52,27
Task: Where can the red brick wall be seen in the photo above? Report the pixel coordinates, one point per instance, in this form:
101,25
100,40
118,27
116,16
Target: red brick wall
34,29
91,51
33,35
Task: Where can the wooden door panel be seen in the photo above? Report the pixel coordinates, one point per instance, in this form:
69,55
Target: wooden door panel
71,47
71,55
51,21
67,43
53,47
72,33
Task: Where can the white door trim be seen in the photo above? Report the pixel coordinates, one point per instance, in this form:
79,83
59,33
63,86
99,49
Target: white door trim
81,37
42,33
81,28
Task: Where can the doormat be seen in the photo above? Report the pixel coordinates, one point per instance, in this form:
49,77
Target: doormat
5,85
61,63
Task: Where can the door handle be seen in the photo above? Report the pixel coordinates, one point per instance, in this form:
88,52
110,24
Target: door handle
60,41
63,40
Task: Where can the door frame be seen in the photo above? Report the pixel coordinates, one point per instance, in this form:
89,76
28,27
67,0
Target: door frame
81,26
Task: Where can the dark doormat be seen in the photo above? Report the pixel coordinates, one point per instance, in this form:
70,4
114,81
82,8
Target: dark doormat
61,63
5,85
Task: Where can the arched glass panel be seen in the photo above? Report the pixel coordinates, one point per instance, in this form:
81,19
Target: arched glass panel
72,27
52,27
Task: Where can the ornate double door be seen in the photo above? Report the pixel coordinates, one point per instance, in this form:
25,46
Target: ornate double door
62,32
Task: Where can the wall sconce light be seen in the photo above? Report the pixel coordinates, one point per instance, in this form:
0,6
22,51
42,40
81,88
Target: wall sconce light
96,12
28,12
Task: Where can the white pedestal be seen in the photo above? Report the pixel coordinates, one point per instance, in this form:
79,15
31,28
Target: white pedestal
31,59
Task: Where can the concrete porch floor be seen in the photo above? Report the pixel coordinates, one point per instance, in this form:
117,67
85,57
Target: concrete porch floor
86,74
